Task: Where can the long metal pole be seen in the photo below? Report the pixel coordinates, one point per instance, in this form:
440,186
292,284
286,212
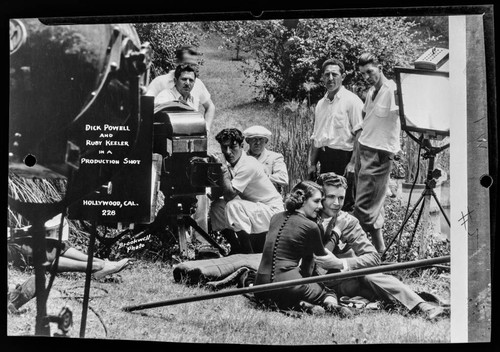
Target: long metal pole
88,275
290,283
42,326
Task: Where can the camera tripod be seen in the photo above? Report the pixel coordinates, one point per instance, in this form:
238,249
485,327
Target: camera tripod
427,193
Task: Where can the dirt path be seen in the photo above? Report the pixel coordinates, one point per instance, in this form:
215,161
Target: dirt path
233,97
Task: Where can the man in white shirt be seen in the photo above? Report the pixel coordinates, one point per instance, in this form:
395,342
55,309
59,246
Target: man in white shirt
249,197
185,55
257,138
184,80
377,145
337,124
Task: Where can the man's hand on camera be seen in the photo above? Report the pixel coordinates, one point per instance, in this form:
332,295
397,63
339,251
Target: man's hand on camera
223,166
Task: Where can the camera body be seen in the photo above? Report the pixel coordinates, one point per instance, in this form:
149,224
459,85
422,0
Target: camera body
180,136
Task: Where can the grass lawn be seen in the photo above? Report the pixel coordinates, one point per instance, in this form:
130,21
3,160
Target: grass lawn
229,320
234,100
232,320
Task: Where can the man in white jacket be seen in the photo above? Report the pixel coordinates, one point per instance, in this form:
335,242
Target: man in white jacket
257,138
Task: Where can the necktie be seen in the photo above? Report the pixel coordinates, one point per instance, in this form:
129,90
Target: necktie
330,235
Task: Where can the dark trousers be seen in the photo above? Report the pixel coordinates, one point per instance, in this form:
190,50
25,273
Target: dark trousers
336,160
373,169
244,243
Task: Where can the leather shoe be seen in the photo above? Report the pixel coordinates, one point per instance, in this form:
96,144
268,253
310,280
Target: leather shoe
311,308
430,311
341,311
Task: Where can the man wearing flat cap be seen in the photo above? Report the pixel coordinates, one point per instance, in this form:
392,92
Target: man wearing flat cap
257,138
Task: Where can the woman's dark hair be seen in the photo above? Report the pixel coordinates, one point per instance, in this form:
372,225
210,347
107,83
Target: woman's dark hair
184,68
300,193
233,135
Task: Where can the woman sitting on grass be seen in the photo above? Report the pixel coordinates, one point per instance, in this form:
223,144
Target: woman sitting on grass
293,238
20,253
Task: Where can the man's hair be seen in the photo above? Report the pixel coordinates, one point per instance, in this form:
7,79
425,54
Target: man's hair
332,179
233,135
190,49
368,58
301,192
184,68
333,62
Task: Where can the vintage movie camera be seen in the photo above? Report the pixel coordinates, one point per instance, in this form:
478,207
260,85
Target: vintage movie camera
180,136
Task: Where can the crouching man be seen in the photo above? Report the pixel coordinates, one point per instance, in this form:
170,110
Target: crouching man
249,197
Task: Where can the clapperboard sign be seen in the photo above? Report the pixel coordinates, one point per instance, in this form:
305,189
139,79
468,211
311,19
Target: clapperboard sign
123,158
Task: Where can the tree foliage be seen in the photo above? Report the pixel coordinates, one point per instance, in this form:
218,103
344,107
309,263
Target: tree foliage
286,59
164,38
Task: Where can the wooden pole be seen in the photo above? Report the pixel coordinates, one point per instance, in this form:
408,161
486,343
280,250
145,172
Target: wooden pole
290,283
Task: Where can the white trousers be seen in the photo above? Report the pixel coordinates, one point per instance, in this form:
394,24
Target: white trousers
242,215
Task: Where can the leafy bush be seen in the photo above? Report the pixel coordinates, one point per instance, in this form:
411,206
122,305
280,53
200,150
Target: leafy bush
435,27
164,38
407,247
286,59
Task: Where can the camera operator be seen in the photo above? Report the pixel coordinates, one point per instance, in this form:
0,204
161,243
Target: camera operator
249,197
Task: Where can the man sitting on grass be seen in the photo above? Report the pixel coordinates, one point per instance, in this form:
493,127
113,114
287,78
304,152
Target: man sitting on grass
257,138
249,197
349,248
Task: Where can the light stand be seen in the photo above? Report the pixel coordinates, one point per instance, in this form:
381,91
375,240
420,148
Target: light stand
424,107
427,193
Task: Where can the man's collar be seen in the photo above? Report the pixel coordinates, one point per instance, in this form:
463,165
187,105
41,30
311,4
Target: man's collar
243,155
179,96
263,154
385,83
337,95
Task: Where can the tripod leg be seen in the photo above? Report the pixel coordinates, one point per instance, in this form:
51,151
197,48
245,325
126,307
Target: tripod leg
191,222
403,224
415,227
182,233
440,207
